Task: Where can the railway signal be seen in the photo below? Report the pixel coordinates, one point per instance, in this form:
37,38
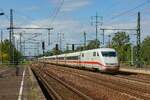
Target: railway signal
43,47
85,40
72,47
57,48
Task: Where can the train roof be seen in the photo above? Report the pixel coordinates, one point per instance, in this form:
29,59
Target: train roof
78,52
100,49
107,49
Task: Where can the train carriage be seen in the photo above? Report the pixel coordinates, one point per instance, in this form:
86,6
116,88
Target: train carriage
103,59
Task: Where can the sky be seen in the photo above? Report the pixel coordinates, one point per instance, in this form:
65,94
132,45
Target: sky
71,18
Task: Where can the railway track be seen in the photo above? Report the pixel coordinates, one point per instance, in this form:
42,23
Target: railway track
6,72
126,88
145,78
58,89
138,80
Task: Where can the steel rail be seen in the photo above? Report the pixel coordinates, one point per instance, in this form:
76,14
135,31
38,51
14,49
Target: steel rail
69,87
141,81
107,83
54,95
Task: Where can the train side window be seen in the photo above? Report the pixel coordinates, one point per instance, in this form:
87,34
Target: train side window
97,54
94,53
72,58
82,54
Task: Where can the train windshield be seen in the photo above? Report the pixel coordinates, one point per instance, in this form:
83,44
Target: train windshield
109,54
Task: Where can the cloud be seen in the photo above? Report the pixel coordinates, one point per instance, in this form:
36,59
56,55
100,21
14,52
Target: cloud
72,29
32,8
145,23
70,5
4,23
16,36
65,25
54,1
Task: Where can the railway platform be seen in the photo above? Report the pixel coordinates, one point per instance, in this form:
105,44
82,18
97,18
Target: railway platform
22,86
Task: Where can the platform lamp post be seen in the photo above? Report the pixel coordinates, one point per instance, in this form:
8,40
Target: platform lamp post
2,13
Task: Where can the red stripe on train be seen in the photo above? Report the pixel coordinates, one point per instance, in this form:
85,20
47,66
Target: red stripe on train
85,62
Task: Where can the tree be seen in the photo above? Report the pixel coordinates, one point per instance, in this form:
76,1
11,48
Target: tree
121,43
80,48
5,48
145,50
48,53
54,51
93,44
4,51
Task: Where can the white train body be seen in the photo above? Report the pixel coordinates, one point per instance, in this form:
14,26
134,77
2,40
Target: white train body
103,59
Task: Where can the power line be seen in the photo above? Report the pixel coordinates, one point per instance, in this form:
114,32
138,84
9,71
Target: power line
57,10
125,12
24,18
28,17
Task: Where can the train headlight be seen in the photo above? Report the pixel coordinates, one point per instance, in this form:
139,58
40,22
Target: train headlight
111,63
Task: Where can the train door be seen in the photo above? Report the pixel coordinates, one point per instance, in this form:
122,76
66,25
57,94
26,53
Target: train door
79,59
65,58
82,57
93,57
88,59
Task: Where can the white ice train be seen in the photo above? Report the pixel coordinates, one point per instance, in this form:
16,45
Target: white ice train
103,59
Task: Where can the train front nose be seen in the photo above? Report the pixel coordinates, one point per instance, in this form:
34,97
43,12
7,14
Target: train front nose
112,67
111,64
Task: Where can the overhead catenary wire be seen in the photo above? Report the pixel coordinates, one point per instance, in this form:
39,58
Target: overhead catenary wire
24,18
127,13
56,11
53,18
29,19
33,28
130,10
